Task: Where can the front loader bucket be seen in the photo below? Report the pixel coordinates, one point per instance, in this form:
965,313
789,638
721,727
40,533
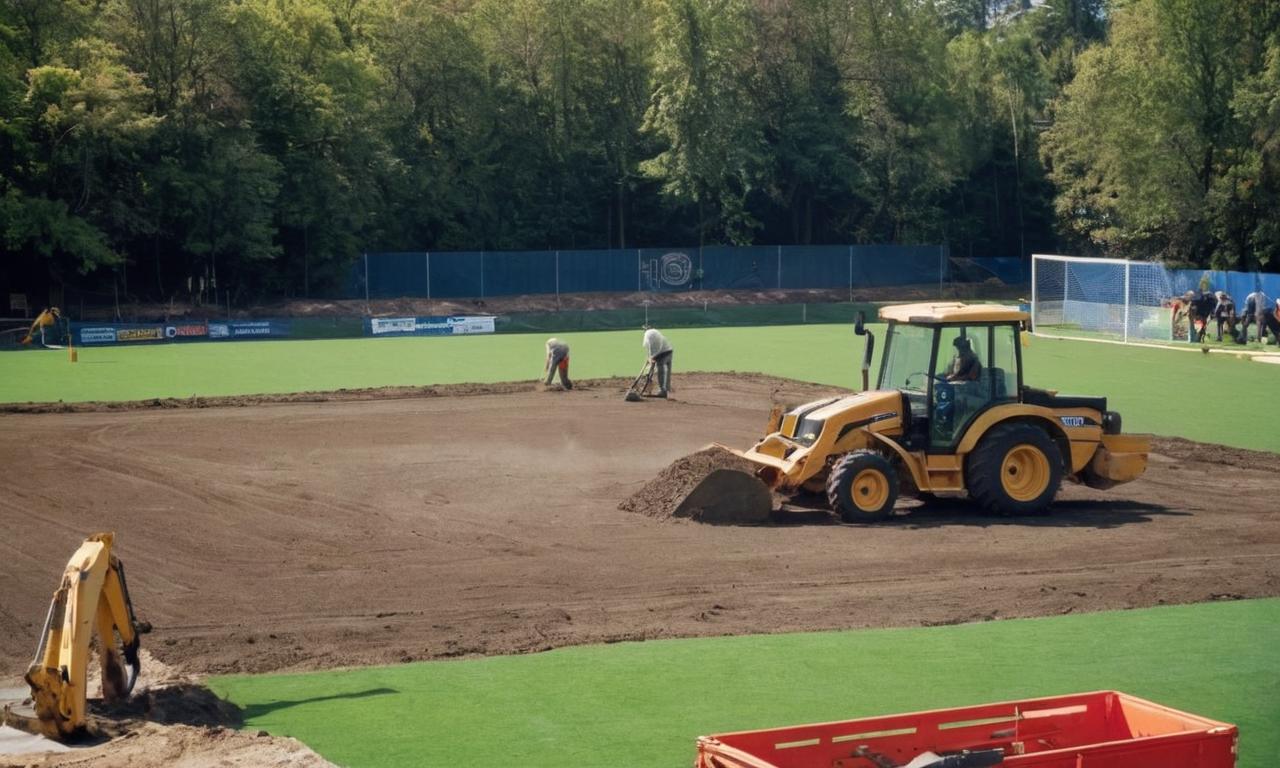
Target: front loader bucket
728,497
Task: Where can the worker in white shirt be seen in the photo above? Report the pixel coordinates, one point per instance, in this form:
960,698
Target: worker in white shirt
659,351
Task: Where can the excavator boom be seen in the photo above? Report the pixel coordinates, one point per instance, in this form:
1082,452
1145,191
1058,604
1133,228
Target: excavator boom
93,596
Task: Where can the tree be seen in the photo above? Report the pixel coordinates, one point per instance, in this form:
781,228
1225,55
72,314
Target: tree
1145,132
700,108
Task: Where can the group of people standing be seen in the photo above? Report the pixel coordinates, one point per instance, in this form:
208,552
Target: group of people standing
656,347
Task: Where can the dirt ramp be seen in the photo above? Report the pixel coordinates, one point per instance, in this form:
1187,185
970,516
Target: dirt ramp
712,486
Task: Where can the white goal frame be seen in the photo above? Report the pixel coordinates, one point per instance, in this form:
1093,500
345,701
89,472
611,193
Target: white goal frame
1127,316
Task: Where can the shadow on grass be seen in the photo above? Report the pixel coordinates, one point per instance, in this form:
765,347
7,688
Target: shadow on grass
258,710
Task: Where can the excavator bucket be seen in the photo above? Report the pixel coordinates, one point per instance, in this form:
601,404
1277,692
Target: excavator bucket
727,497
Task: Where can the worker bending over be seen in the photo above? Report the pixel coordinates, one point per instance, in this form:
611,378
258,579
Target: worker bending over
558,360
1257,308
659,351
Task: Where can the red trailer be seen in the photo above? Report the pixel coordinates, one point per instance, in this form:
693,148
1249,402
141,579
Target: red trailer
1103,729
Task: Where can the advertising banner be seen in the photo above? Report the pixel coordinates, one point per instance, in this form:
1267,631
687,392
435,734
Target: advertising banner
140,333
430,326
189,330
96,335
186,331
249,329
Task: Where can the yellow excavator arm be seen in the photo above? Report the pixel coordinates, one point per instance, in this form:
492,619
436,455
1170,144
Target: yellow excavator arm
93,596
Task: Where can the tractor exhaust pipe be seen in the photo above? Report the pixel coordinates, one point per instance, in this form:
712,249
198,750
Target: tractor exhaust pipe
860,329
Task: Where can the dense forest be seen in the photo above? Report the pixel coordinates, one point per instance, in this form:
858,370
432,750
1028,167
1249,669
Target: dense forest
160,147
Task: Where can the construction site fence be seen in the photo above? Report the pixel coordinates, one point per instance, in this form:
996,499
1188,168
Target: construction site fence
98,334
483,274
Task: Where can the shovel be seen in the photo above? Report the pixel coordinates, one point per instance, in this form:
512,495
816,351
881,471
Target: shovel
636,390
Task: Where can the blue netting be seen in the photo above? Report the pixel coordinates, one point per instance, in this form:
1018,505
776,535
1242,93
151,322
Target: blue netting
393,274
513,273
883,265
751,268
599,270
1238,284
816,266
455,274
473,274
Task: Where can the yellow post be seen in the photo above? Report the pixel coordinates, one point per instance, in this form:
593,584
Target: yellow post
72,355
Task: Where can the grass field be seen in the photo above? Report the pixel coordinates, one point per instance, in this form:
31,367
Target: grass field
642,704
1214,398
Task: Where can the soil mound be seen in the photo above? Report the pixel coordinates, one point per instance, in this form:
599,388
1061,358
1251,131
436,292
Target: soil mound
1209,453
152,745
712,485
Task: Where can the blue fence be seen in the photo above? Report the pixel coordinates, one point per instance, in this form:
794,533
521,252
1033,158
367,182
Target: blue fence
480,274
1238,284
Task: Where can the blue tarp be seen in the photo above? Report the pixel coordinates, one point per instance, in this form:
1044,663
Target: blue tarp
1238,284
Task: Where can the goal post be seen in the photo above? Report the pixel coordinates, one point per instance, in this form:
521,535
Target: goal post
1101,298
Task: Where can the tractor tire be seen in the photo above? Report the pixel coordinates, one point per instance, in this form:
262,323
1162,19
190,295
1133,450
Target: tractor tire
862,487
1015,470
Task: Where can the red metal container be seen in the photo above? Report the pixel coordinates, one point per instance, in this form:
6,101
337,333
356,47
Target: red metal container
1103,729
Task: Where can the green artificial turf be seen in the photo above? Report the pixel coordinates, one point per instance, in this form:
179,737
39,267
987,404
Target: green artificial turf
1213,398
643,704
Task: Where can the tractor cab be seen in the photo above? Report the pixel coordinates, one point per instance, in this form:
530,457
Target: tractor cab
951,362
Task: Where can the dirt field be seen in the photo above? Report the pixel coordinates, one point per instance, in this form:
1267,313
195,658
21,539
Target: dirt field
302,535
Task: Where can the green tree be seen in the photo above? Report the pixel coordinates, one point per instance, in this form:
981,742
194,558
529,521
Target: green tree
701,110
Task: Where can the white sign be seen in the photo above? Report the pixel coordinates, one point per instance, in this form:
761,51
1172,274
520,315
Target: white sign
463,325
393,325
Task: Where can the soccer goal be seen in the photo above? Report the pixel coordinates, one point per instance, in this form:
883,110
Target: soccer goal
1101,298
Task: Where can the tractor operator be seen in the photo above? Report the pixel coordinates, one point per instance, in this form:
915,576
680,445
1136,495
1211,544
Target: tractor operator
659,351
964,366
557,360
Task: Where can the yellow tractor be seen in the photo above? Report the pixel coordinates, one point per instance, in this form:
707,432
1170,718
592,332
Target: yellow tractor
950,415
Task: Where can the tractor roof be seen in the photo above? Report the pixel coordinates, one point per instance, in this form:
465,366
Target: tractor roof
952,312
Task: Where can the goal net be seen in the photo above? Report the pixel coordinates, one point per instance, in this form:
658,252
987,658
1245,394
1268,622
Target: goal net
1107,298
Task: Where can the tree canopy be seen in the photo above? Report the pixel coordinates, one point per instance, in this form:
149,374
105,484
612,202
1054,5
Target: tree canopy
255,148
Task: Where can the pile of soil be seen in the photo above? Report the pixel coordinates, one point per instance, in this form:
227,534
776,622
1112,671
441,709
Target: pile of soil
171,719
665,496
152,745
1209,453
